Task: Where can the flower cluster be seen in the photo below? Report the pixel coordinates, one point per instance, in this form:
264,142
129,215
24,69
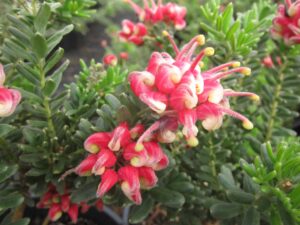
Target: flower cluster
9,98
60,203
179,92
132,32
286,24
268,62
112,60
117,157
170,13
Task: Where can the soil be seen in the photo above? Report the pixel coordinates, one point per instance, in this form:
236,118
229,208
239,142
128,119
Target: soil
78,46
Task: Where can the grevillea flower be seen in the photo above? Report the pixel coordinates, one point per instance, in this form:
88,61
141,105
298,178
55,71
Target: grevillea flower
97,141
132,32
108,180
177,90
110,60
268,62
124,56
128,156
147,177
152,13
286,24
59,204
86,166
130,183
9,98
105,159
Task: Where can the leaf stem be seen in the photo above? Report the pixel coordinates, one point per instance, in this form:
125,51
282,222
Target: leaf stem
274,105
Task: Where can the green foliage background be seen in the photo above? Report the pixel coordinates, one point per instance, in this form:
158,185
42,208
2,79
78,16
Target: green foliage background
233,177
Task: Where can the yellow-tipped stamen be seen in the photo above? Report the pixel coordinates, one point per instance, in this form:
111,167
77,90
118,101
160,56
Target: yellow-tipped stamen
192,142
201,64
200,39
248,125
139,147
236,64
165,33
135,161
246,71
209,51
255,97
171,40
94,149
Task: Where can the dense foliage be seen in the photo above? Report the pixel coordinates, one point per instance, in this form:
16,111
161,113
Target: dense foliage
147,129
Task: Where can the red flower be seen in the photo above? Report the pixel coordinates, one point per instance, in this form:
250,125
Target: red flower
134,33
86,166
147,176
124,55
108,180
110,60
171,13
97,141
286,23
130,183
179,90
105,159
9,98
55,212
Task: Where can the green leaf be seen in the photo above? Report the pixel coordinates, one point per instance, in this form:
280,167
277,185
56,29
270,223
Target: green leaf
39,45
7,171
54,59
140,213
168,197
240,196
5,129
53,81
226,210
252,217
227,17
11,200
113,101
42,18
36,172
85,192
56,38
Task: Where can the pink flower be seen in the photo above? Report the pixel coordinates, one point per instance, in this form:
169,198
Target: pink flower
86,166
137,131
170,13
162,164
73,212
55,212
97,141
177,90
130,183
147,176
84,207
108,180
105,159
286,24
110,60
136,158
133,33
120,137
175,15
65,202
59,203
124,55
9,98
